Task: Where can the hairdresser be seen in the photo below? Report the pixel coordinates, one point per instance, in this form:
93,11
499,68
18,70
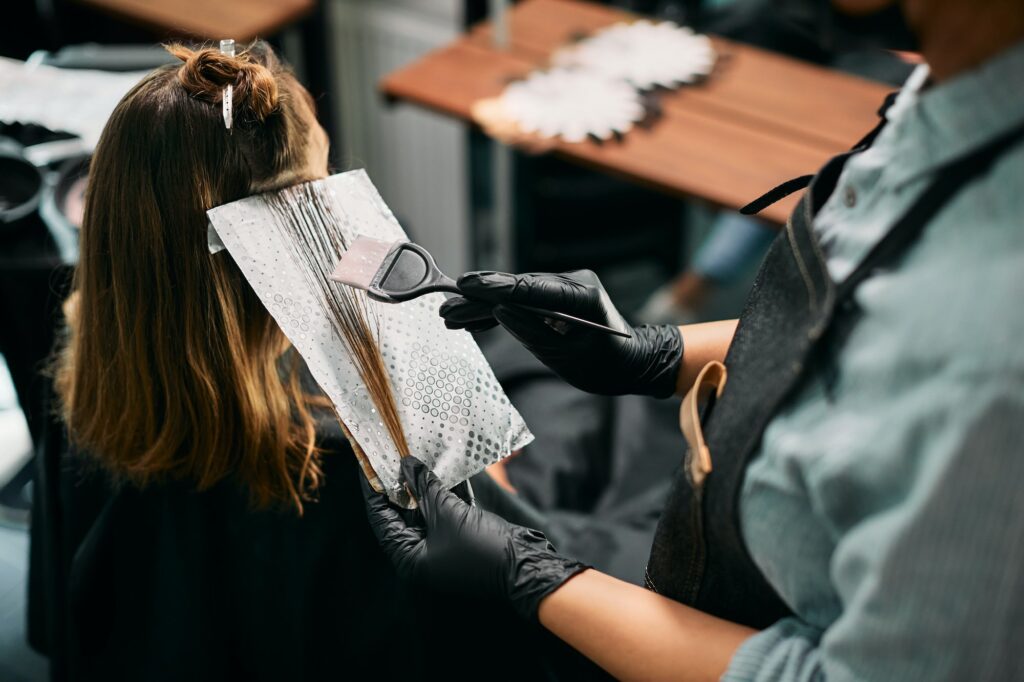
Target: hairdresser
849,506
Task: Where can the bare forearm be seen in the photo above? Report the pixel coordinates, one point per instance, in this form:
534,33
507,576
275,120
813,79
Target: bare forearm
636,634
703,343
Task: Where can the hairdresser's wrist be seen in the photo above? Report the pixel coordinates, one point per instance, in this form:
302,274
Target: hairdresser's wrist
660,357
538,571
704,342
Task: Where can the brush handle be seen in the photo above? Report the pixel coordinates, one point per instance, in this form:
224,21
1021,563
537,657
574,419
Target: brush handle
571,319
442,282
402,278
436,280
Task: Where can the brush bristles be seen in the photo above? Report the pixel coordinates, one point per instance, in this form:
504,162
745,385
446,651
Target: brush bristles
361,262
310,228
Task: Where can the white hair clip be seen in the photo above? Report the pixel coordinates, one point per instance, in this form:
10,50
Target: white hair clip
227,47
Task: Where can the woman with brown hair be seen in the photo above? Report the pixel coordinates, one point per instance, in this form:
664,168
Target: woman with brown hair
211,524
172,361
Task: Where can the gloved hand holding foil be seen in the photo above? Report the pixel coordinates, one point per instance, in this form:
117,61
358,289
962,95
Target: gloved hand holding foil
647,363
458,548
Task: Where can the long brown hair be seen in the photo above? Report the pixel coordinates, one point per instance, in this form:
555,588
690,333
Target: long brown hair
172,366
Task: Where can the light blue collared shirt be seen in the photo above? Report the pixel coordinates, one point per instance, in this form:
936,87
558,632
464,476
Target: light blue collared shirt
888,513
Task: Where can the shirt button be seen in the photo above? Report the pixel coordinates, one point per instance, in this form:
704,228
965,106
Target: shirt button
850,197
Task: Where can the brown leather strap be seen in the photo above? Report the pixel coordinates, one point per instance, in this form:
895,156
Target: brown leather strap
711,379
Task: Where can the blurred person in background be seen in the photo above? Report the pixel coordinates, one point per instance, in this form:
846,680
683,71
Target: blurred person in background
810,30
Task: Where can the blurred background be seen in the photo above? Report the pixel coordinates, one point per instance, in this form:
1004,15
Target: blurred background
651,211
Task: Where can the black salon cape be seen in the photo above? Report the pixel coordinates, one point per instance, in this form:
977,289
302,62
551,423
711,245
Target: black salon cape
172,584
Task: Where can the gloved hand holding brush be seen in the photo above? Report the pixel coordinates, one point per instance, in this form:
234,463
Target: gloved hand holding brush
645,363
566,320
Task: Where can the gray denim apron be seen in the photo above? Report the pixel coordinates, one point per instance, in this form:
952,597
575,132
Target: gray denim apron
794,323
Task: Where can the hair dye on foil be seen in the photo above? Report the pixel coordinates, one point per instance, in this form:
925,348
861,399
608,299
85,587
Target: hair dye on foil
400,381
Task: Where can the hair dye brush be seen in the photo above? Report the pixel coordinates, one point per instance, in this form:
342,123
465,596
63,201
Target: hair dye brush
392,272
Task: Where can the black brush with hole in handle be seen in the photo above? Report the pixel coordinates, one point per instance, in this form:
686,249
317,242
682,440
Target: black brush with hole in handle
392,272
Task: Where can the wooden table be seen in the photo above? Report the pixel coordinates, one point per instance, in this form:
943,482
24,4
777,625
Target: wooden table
212,19
760,120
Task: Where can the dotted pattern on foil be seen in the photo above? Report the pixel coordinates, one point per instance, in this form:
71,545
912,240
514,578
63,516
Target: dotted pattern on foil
455,414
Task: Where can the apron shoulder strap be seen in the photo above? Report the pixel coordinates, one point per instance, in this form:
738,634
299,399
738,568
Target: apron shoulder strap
782,191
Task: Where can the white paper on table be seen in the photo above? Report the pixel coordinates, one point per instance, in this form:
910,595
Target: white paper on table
643,53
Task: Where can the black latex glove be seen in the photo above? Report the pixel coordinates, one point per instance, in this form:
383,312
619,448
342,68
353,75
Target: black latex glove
463,549
647,363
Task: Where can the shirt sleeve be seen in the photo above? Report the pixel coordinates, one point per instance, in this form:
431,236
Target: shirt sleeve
928,564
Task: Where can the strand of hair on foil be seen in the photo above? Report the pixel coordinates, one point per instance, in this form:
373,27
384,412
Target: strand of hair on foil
308,224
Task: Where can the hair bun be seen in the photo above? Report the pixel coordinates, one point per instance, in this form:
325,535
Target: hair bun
206,72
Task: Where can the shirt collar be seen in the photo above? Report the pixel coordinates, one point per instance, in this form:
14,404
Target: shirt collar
931,127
